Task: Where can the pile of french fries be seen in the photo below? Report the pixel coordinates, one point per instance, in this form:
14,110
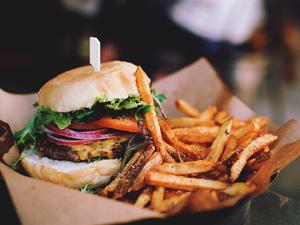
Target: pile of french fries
208,150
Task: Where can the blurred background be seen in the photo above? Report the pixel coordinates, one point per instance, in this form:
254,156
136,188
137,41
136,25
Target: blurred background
254,46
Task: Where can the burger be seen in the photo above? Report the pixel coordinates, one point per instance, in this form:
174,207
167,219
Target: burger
86,126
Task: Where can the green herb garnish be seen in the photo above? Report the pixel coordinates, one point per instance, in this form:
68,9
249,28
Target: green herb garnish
88,189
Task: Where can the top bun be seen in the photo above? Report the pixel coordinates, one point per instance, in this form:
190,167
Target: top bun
78,88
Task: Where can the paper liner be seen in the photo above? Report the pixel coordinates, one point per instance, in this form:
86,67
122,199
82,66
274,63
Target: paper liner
40,202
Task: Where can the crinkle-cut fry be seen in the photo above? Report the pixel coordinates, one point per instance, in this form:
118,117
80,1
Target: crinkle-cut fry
239,188
151,120
255,146
181,182
221,117
169,204
157,198
144,198
208,114
186,108
185,168
170,137
217,147
180,122
199,134
139,183
230,148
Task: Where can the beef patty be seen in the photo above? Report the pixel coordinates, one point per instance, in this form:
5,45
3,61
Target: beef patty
108,149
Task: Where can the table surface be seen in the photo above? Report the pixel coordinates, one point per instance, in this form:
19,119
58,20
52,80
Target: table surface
268,208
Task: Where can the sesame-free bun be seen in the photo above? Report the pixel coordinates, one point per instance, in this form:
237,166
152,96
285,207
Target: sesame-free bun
78,88
70,174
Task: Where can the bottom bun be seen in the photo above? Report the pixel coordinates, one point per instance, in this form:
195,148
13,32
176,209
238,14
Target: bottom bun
70,174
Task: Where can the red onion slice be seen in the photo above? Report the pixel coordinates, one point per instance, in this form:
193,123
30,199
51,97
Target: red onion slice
60,141
84,135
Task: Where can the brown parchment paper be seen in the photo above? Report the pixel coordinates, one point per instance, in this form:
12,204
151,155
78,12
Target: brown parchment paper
39,202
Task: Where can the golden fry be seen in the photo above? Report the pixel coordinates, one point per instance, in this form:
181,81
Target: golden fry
185,168
170,137
151,120
243,130
240,189
261,122
221,117
181,182
196,134
208,114
255,146
171,202
230,148
157,198
139,182
219,143
186,108
237,124
179,122
179,156
144,198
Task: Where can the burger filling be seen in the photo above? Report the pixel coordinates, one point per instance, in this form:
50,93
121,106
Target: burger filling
109,129
103,149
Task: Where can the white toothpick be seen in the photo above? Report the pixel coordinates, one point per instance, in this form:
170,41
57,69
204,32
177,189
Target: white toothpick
95,53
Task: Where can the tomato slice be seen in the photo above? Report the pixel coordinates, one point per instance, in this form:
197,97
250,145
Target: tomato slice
124,124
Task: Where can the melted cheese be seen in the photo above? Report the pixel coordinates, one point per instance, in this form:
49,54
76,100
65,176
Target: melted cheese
101,148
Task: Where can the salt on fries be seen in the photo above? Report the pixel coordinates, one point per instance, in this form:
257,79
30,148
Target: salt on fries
207,152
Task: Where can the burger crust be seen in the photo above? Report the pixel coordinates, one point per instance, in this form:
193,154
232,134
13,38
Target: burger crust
78,88
70,174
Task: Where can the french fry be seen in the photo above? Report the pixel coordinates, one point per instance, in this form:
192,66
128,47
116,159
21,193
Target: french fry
240,189
122,183
179,122
186,108
182,183
243,130
168,204
208,114
221,117
237,124
230,148
151,120
144,198
219,143
170,137
261,121
185,168
254,147
257,162
179,156
157,198
155,160
196,134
